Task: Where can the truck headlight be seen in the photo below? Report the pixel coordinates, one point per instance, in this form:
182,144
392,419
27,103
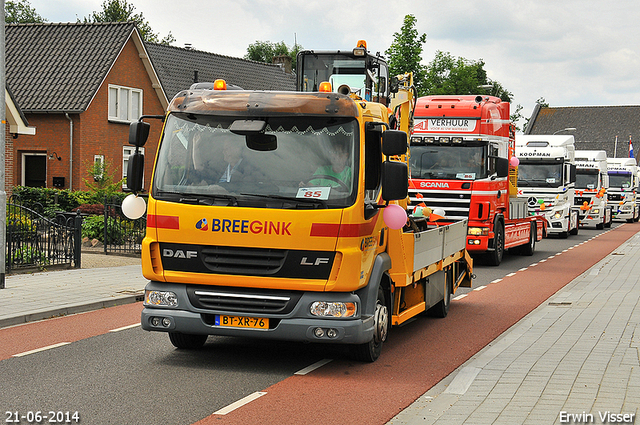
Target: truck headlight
478,231
161,298
333,309
557,214
595,211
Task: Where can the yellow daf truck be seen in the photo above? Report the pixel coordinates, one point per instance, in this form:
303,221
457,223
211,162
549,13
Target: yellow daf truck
276,215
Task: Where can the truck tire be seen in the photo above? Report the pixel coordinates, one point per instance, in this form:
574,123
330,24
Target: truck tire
494,258
441,309
370,351
187,341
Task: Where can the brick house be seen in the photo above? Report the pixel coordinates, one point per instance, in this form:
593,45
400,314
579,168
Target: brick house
596,127
79,85
16,125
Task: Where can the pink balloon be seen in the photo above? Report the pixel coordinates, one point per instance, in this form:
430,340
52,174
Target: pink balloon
394,216
514,161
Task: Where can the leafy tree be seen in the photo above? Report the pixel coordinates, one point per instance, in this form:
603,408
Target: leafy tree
265,51
21,12
447,74
101,183
122,11
405,53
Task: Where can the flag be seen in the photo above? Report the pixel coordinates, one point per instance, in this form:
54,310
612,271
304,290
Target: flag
630,149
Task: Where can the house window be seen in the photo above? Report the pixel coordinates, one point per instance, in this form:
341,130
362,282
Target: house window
127,151
98,167
125,104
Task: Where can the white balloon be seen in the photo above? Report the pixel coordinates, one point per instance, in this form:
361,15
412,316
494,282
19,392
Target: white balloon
439,211
133,207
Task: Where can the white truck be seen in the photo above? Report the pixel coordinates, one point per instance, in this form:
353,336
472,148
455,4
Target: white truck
546,176
592,184
623,187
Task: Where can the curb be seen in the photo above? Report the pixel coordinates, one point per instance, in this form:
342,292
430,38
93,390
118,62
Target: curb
70,309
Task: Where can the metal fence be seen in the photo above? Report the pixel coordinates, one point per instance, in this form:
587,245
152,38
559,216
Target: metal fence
34,241
122,235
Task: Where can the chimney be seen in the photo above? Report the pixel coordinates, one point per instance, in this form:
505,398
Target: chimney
284,61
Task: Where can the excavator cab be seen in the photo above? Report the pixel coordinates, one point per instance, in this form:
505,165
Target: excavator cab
356,72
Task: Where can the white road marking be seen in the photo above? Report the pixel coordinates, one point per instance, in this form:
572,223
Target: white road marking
135,325
459,297
313,367
37,350
233,406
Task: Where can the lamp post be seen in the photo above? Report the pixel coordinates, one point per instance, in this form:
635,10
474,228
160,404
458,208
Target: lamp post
566,129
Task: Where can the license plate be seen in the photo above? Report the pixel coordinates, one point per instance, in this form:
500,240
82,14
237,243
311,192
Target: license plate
243,322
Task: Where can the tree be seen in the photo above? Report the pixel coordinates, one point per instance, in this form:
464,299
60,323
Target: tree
21,12
121,11
447,74
405,52
265,51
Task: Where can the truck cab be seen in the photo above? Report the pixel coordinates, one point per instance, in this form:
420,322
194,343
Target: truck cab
281,215
546,180
623,187
592,184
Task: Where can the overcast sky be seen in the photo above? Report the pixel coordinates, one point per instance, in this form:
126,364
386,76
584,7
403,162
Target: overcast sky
570,52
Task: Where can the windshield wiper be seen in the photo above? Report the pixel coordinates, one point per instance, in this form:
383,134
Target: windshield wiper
208,199
319,202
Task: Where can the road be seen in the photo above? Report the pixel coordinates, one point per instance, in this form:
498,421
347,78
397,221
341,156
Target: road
110,371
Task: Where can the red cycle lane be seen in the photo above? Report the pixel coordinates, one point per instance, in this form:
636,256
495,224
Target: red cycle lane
32,336
419,355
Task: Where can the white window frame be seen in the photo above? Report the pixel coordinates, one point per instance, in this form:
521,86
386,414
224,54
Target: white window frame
100,159
127,151
121,106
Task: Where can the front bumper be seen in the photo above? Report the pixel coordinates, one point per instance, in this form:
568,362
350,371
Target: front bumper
298,324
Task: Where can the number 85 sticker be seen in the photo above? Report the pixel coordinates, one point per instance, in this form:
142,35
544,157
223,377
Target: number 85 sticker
314,193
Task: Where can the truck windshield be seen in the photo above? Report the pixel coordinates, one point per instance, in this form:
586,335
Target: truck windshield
313,163
587,179
448,162
537,174
620,179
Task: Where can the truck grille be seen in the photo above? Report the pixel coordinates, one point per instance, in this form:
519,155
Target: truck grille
579,200
244,301
250,261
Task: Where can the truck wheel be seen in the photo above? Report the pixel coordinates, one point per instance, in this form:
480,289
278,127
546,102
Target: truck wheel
441,309
370,351
494,258
187,341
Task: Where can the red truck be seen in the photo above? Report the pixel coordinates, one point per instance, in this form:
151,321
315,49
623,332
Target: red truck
463,166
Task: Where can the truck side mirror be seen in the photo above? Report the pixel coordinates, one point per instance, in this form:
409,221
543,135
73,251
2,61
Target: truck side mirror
502,167
135,172
138,133
395,180
394,142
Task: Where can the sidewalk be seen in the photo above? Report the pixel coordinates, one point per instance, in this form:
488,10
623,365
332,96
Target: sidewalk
574,359
36,296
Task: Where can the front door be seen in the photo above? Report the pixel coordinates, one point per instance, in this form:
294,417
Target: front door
34,170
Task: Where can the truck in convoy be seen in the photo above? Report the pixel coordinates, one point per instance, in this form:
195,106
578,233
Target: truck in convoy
623,187
461,148
282,215
546,180
592,183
